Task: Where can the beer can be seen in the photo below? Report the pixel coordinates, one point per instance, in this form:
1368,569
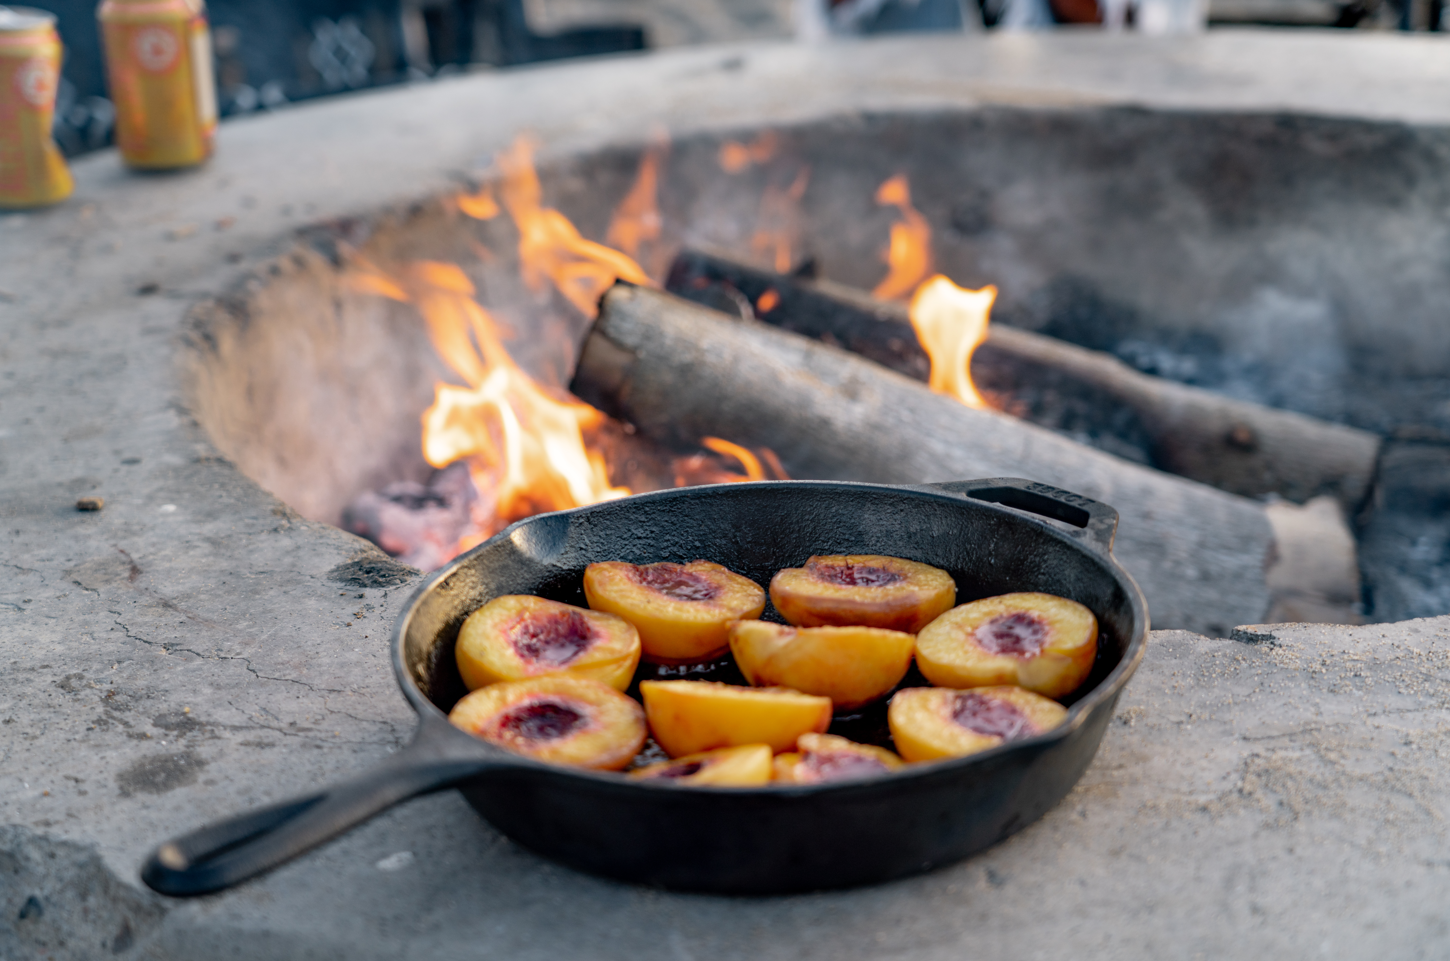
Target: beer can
158,61
32,170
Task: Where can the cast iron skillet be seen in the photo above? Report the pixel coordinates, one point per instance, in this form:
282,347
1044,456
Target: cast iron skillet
752,840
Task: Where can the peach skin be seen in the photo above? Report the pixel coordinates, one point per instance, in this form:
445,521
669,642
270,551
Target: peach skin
821,758
746,766
850,665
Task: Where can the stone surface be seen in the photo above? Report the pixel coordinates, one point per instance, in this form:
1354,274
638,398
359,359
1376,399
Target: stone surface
195,648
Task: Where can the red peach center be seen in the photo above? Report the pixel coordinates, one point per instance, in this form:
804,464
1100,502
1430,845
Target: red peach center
674,581
681,769
1019,633
843,765
855,575
554,639
541,721
989,716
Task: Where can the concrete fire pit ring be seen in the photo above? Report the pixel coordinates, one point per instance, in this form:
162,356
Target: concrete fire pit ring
196,647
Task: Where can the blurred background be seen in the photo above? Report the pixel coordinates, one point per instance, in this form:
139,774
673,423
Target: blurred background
270,53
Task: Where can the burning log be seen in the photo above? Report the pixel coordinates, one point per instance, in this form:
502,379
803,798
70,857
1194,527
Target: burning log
679,371
1233,445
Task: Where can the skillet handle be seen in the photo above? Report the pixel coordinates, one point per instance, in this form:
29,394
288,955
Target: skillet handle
1098,521
229,852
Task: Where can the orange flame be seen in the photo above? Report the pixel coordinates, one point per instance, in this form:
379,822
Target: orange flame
761,464
525,444
736,156
951,323
778,228
751,463
479,206
550,247
909,255
637,218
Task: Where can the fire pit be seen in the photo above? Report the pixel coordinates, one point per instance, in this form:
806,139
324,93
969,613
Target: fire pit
198,647
1162,240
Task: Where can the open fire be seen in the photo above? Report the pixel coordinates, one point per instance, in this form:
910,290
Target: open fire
508,446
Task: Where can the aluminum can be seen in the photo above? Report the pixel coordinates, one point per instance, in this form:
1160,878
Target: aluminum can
32,171
158,61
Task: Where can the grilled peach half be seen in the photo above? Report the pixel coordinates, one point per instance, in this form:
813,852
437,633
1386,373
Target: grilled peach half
820,758
850,665
559,719
687,717
930,723
515,637
865,589
682,611
1038,641
746,766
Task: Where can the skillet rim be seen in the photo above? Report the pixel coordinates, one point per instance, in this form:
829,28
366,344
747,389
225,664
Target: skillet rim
429,714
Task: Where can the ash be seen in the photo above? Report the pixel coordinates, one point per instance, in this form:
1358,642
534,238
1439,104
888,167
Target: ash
419,524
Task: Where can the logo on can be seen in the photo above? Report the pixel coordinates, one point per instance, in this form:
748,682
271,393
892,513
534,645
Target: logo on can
35,80
155,48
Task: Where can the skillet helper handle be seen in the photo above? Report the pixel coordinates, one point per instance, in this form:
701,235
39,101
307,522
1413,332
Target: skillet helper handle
1098,521
229,852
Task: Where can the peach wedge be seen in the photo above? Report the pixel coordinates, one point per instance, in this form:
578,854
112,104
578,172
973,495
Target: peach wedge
746,766
1038,641
687,717
515,637
682,611
850,665
865,589
822,758
559,719
931,723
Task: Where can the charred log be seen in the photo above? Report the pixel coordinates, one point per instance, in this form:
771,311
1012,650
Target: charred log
1233,445
679,371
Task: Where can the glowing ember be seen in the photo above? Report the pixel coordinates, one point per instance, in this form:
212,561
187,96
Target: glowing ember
909,255
757,465
951,323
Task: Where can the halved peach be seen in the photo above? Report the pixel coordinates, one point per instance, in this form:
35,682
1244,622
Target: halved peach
850,665
687,717
559,719
865,589
1038,641
745,766
516,636
682,611
929,723
820,758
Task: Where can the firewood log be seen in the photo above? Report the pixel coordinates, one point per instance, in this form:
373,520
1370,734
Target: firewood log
679,371
1234,445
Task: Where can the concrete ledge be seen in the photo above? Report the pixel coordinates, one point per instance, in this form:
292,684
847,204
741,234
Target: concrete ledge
189,651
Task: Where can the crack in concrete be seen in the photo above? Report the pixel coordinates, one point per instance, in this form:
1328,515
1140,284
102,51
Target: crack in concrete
246,661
